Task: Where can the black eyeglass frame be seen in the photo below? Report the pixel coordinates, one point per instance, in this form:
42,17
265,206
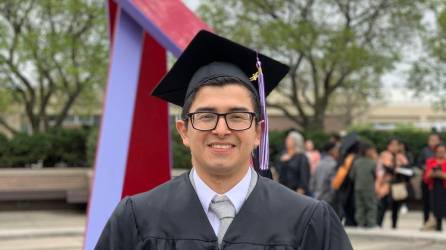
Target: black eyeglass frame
190,117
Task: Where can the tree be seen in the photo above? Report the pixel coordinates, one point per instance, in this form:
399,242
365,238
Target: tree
428,72
330,45
52,55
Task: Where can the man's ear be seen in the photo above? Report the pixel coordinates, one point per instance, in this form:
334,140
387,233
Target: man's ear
182,130
258,133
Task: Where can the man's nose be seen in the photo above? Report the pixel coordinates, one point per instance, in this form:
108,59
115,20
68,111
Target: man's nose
222,127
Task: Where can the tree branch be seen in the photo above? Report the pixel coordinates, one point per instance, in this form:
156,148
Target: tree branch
290,116
7,126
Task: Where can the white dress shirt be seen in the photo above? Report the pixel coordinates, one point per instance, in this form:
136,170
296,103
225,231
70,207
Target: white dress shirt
237,195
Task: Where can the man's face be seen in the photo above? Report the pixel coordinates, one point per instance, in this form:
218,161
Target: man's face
433,141
334,152
220,151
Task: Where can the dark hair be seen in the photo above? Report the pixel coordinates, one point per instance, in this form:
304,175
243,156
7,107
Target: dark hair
365,146
220,82
335,136
393,139
328,146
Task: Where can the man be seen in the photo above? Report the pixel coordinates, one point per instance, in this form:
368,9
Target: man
320,183
221,203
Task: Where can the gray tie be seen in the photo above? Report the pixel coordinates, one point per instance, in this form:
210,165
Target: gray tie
225,211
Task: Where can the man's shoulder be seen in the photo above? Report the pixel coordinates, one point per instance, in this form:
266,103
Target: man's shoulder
363,160
327,162
161,193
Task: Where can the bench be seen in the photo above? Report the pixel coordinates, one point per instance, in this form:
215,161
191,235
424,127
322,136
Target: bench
69,184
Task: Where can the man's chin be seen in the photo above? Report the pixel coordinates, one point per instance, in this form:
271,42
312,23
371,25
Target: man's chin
222,169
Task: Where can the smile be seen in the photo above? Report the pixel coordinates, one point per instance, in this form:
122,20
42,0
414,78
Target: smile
221,146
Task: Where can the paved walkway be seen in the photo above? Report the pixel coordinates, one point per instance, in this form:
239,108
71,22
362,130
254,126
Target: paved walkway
42,230
63,230
406,237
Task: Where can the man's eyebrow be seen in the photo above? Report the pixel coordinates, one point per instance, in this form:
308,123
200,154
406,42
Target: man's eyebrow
211,109
238,109
204,109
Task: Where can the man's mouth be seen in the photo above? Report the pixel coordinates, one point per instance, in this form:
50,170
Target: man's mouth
221,145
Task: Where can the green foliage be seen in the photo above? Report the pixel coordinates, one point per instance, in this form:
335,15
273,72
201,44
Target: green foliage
427,76
57,146
3,144
92,141
276,143
319,138
25,149
77,147
68,146
53,56
330,46
181,154
415,139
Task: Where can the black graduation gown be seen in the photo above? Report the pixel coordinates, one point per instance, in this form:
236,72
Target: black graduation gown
273,217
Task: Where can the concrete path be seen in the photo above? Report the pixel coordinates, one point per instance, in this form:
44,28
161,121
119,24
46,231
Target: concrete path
63,230
42,230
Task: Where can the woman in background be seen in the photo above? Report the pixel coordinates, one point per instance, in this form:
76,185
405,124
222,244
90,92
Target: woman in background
387,175
313,155
435,179
294,165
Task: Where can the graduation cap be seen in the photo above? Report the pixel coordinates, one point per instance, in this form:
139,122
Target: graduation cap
209,57
348,142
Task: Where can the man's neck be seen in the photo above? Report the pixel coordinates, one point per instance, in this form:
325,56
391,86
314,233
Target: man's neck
221,183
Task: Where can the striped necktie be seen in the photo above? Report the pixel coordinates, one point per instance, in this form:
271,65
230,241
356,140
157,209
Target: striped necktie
225,211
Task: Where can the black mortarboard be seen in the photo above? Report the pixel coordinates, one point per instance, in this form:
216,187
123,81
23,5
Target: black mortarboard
209,56
347,142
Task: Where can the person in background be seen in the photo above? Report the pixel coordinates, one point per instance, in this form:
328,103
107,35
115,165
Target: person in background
363,176
294,165
335,138
435,179
320,183
313,155
389,162
344,203
404,149
426,153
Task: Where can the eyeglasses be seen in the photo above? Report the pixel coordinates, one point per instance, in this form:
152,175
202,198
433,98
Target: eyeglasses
207,121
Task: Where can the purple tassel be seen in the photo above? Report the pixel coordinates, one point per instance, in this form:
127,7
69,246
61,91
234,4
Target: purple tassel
264,142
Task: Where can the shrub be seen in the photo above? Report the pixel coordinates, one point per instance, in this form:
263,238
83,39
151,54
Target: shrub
180,153
414,138
65,146
4,144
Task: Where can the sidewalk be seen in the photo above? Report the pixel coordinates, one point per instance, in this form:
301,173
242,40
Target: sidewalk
64,230
409,225
42,230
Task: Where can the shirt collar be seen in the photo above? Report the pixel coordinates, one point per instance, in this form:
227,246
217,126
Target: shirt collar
237,195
